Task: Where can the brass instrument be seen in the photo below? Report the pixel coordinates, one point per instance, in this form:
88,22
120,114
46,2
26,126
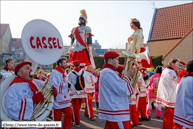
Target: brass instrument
129,63
43,104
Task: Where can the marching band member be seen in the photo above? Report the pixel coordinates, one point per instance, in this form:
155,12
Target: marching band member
90,81
9,66
132,103
166,93
136,40
81,42
183,114
132,106
152,92
59,79
113,94
23,94
76,99
141,97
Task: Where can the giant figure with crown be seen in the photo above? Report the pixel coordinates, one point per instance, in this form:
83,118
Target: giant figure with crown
81,43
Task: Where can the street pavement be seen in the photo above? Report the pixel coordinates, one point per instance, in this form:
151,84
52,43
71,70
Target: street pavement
85,123
154,123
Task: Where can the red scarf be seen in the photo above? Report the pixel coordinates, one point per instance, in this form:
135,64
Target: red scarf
109,66
180,75
189,74
31,84
166,66
6,67
76,32
77,69
59,69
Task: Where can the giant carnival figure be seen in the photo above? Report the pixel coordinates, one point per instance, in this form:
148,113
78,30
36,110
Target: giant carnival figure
81,43
136,44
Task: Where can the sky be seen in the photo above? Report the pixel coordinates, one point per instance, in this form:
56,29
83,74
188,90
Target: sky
108,20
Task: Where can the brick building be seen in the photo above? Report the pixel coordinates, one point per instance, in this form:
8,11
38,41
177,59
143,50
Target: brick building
171,33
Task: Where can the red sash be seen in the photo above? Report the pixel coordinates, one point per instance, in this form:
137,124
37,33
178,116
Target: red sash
61,71
31,84
78,37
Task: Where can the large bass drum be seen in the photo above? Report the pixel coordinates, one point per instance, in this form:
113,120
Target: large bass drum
43,45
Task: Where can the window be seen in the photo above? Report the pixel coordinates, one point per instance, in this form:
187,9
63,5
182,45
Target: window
66,49
13,49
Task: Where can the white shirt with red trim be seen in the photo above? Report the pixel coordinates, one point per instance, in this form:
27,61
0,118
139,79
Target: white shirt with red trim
18,101
90,81
134,97
166,93
183,113
72,80
63,99
113,96
142,92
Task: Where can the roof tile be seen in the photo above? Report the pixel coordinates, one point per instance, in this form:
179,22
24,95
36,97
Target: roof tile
172,22
3,28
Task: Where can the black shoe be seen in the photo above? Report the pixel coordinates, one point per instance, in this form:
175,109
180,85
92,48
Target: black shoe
132,126
140,119
139,124
86,116
92,119
158,117
146,119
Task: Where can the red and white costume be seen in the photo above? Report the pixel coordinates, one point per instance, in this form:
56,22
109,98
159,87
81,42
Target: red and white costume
90,81
59,79
132,106
166,95
19,103
81,41
113,98
76,99
183,113
141,97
